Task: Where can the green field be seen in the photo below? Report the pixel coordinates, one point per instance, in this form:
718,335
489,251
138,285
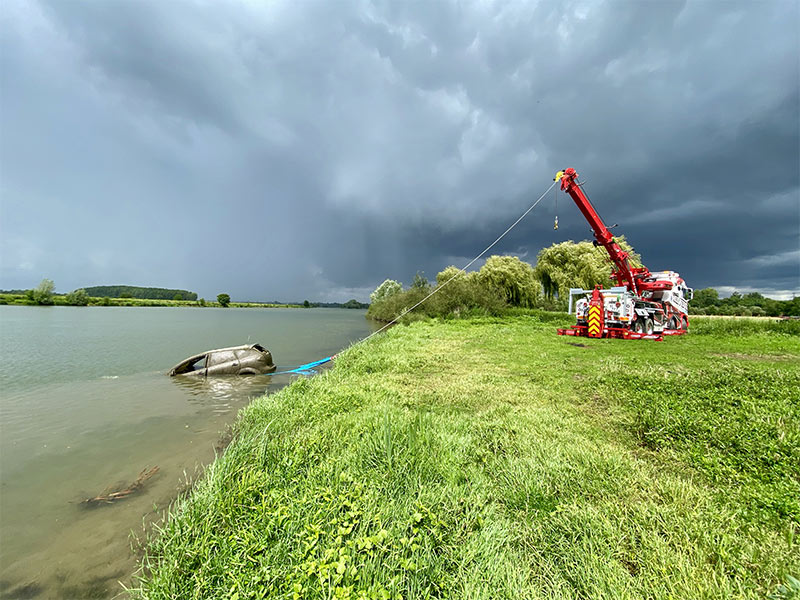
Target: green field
490,458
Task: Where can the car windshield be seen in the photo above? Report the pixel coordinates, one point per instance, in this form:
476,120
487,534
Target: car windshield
196,363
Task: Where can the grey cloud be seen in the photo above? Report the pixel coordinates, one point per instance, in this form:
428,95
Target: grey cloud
336,144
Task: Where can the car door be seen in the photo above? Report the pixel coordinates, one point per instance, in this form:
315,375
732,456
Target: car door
223,362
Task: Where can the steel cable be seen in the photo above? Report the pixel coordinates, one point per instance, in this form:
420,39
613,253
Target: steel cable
462,270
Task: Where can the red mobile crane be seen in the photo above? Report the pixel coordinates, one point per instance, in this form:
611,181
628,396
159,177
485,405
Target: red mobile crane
646,305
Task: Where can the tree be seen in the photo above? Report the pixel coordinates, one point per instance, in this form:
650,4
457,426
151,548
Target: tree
224,300
77,297
792,307
202,302
577,265
43,294
306,304
420,282
734,300
512,279
449,273
178,296
774,308
461,293
705,298
388,288
753,299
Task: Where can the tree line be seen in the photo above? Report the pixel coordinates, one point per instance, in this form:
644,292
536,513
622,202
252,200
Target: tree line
132,291
708,302
507,281
502,282
45,295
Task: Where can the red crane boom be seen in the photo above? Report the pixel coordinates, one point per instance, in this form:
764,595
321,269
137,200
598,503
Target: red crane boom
623,273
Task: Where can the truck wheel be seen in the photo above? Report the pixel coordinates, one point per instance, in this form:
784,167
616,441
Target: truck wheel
638,326
684,323
673,323
649,326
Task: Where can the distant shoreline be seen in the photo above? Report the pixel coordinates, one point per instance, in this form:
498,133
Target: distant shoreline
21,300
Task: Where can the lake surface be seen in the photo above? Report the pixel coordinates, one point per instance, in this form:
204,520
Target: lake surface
86,407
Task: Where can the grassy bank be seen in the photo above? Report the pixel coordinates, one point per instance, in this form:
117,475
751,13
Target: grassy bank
60,300
490,458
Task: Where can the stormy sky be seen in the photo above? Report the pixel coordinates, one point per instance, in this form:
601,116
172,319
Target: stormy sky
307,149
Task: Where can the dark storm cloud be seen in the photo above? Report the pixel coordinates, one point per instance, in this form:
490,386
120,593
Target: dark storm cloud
312,149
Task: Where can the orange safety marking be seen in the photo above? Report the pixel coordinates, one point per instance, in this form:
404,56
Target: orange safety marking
595,321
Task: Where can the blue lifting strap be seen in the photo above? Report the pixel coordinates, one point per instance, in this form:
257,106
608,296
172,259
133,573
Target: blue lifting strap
305,367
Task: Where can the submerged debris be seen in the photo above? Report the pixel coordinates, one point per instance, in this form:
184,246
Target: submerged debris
109,497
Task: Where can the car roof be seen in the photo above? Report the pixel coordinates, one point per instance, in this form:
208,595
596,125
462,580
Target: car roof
243,347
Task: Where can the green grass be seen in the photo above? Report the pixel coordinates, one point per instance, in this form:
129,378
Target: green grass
490,458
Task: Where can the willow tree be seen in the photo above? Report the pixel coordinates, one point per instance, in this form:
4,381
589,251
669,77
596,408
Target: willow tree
43,294
577,265
388,288
512,279
460,292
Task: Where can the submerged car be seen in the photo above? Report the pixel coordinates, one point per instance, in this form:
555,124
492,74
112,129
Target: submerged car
250,359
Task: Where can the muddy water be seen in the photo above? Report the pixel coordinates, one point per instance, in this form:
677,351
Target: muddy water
85,407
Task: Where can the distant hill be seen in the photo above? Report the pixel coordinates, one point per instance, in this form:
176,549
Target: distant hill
349,304
132,291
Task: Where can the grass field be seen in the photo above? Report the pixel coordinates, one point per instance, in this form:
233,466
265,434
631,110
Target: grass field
490,458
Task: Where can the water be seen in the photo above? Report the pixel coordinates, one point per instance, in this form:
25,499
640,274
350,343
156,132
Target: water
86,406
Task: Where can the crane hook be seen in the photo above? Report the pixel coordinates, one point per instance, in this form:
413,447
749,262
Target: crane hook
555,197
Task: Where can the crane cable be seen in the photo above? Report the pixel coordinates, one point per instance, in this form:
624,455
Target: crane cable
309,366
461,271
555,196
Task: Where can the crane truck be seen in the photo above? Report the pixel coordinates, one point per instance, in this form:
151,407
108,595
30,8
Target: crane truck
643,305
